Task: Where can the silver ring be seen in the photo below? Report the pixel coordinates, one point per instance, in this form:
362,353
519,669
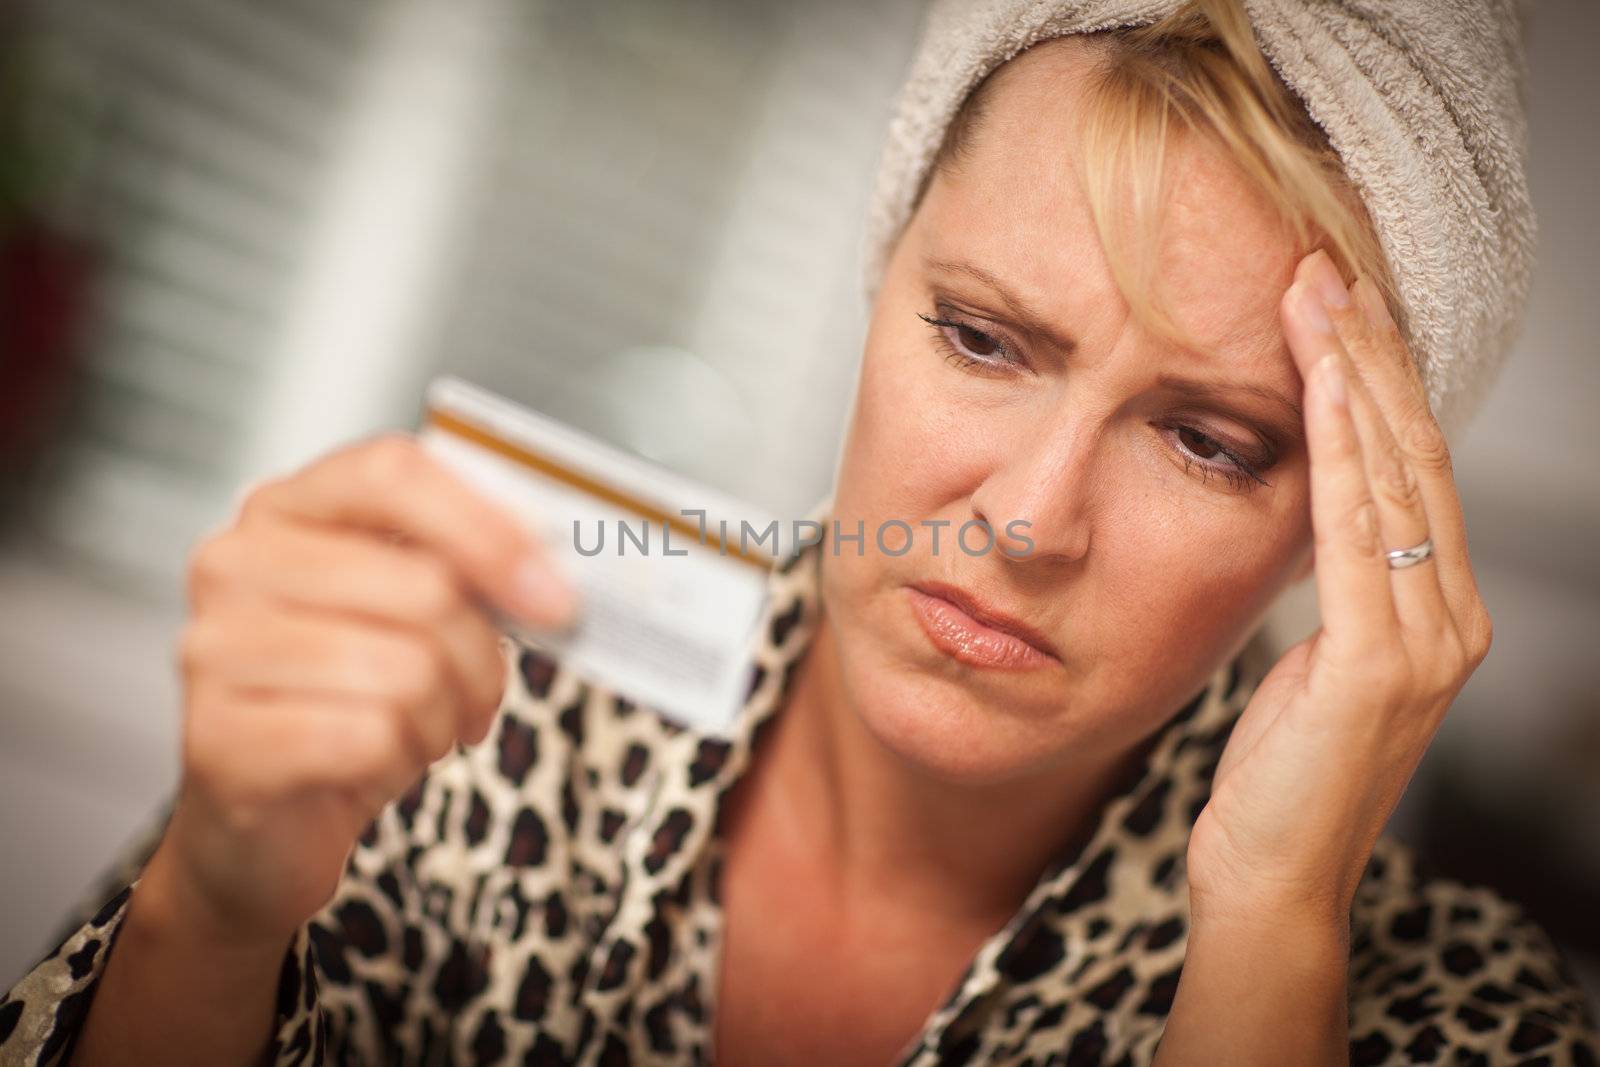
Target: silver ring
1410,557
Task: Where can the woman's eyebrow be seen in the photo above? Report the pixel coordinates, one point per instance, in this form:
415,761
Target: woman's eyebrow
1220,391
1026,315
1030,319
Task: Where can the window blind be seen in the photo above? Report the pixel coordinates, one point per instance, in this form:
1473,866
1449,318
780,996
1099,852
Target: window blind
210,125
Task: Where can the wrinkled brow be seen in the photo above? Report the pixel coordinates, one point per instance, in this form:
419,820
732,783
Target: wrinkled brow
1029,318
1026,315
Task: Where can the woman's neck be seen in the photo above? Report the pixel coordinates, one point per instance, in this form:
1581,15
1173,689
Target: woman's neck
880,832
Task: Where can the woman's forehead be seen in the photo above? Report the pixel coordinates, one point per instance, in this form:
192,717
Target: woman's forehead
1015,207
1018,212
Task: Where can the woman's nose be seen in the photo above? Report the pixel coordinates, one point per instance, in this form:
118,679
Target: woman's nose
1038,498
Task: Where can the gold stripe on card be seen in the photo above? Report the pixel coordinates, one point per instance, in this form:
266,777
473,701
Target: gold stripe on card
551,469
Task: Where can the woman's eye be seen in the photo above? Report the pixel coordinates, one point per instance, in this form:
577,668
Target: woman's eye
1216,458
980,344
1199,443
966,345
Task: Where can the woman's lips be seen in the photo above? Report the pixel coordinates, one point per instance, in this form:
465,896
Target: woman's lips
957,633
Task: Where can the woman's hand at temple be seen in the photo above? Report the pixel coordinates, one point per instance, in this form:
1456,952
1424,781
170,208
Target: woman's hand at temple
1320,756
1330,739
338,643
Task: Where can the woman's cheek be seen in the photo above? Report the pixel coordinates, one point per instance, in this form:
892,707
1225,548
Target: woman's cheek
1189,571
910,432
1232,550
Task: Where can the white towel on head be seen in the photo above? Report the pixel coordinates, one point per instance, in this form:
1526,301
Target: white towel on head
1424,100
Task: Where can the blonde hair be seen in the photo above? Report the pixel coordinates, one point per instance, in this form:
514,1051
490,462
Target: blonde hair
1199,65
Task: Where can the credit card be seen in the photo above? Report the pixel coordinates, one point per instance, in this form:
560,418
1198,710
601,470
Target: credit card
671,575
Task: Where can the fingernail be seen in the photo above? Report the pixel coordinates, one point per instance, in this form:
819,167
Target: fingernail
1311,309
1329,285
1333,378
544,593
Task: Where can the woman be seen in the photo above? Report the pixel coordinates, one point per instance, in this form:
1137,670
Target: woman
1043,799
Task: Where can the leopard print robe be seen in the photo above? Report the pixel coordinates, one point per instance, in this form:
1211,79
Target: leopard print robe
550,896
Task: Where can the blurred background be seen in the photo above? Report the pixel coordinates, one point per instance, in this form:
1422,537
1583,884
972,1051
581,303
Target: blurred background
235,234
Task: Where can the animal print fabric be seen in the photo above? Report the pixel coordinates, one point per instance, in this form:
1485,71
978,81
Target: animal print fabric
550,896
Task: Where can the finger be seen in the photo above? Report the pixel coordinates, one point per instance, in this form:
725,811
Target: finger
392,483
348,573
1402,516
316,741
275,743
1353,587
251,646
1386,366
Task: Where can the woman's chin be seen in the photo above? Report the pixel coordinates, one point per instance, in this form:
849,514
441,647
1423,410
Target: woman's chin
933,724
